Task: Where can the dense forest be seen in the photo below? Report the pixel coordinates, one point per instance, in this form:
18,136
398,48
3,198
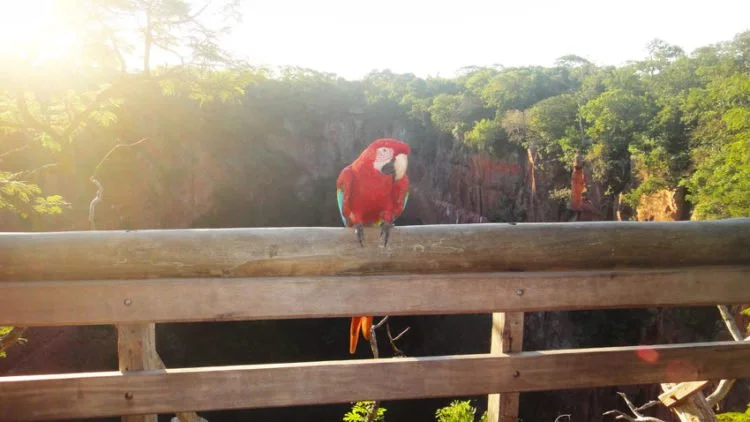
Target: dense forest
673,122
102,136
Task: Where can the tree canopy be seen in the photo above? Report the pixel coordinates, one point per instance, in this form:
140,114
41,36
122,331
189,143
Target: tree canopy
674,120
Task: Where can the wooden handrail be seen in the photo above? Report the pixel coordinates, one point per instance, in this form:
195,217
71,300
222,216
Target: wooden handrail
334,251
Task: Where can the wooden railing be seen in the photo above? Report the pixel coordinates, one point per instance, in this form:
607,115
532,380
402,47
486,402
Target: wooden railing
136,278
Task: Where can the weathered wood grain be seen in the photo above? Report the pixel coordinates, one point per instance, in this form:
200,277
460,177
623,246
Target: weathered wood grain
334,251
680,392
39,397
692,408
136,349
50,303
507,337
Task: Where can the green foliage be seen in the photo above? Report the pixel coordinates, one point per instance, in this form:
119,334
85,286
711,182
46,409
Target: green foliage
720,186
485,134
23,197
458,411
4,331
361,409
734,416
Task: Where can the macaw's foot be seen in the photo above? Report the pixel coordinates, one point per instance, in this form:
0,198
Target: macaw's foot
385,232
360,231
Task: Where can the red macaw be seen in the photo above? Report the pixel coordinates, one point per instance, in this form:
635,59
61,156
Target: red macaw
373,190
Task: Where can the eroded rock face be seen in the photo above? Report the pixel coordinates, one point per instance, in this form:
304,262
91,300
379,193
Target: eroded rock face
663,205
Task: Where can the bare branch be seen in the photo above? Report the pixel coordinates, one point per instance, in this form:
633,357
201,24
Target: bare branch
637,415
730,323
648,405
380,324
115,148
398,336
620,416
374,342
115,45
724,386
15,150
372,414
721,391
99,188
35,170
191,18
392,340
94,202
169,50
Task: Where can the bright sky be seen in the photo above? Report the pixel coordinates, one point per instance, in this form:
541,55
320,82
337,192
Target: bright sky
351,37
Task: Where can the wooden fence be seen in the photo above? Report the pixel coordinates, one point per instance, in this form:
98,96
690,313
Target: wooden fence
134,279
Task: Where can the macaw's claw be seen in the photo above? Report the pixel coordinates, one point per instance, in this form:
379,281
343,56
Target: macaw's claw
360,231
385,232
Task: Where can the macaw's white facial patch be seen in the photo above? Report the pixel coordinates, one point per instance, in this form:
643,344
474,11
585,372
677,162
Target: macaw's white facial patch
400,164
383,156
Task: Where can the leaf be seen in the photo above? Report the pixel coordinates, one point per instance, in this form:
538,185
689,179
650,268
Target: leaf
47,141
104,117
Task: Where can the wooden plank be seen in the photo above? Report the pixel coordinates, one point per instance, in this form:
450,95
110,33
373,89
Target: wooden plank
49,303
65,396
334,251
136,349
507,337
680,392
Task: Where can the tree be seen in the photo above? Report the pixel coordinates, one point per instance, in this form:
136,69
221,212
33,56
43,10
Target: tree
49,102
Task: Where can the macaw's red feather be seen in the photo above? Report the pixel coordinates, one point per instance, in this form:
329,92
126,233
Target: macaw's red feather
368,194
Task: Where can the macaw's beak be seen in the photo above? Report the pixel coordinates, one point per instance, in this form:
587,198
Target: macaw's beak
389,168
396,167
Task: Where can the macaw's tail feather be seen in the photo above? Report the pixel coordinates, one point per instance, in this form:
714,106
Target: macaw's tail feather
358,324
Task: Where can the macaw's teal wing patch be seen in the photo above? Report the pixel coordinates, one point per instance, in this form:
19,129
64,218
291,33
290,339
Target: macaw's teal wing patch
406,198
340,200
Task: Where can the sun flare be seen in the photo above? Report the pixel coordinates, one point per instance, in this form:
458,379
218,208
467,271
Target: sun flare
34,30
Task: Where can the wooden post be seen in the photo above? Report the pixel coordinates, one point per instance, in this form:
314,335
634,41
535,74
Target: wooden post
136,346
136,351
507,337
689,403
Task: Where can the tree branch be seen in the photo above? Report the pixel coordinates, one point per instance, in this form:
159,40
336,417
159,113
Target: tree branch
111,35
35,170
730,323
99,188
191,18
725,386
372,414
637,415
15,150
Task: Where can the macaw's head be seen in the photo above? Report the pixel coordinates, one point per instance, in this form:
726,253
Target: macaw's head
388,156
